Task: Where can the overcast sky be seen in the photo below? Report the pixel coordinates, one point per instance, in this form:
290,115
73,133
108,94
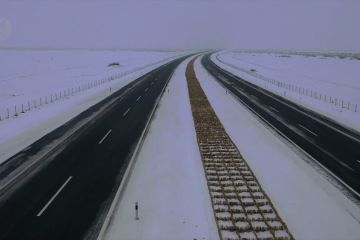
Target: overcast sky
266,24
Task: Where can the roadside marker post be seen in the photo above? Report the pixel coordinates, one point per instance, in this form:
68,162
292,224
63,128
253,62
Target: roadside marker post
136,211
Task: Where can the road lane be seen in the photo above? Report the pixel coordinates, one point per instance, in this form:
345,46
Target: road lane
331,144
98,168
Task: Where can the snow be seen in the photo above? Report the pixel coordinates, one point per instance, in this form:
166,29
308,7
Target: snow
168,178
319,80
310,205
28,75
31,78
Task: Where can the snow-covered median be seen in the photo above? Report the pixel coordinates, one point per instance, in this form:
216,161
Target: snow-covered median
326,84
168,179
310,205
18,132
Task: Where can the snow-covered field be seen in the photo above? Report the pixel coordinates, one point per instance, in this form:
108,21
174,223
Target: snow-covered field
327,84
31,75
168,179
311,206
27,76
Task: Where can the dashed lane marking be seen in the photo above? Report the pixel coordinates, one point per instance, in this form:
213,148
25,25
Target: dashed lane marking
105,136
308,130
126,112
274,109
53,197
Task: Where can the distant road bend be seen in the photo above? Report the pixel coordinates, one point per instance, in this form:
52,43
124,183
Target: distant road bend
69,192
332,145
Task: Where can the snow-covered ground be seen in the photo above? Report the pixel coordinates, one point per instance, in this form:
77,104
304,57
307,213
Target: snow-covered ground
324,83
168,179
29,75
311,206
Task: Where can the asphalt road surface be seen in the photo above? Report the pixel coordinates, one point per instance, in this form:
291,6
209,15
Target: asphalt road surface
334,146
68,192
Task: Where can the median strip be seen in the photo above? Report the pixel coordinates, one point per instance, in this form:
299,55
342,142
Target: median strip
241,207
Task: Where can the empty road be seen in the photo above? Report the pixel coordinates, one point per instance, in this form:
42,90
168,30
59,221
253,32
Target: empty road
69,192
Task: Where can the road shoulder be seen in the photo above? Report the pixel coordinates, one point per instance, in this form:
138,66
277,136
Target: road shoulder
167,181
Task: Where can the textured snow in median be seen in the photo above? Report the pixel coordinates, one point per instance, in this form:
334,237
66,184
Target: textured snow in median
19,132
168,179
311,206
313,80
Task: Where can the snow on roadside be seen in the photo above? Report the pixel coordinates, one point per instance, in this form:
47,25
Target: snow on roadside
309,204
328,85
18,133
168,179
27,76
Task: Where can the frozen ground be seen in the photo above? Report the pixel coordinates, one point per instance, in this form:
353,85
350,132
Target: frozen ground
168,179
25,75
29,75
326,84
308,203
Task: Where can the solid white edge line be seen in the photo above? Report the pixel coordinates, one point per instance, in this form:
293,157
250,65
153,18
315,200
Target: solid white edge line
126,112
138,98
298,147
105,136
131,164
53,197
308,130
259,88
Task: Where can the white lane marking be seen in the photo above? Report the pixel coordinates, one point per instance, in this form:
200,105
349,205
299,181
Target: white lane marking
146,89
138,98
307,130
274,109
303,151
126,112
239,88
224,79
358,161
298,110
53,197
105,136
254,97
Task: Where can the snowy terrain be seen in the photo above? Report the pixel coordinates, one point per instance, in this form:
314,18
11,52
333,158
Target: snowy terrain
86,78
311,206
168,179
329,85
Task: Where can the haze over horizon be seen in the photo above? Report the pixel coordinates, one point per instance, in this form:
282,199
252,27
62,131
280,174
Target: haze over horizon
327,25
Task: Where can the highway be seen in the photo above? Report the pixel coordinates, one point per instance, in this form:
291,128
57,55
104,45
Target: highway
68,192
332,145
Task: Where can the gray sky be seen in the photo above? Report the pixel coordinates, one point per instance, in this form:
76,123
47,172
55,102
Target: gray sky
276,24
